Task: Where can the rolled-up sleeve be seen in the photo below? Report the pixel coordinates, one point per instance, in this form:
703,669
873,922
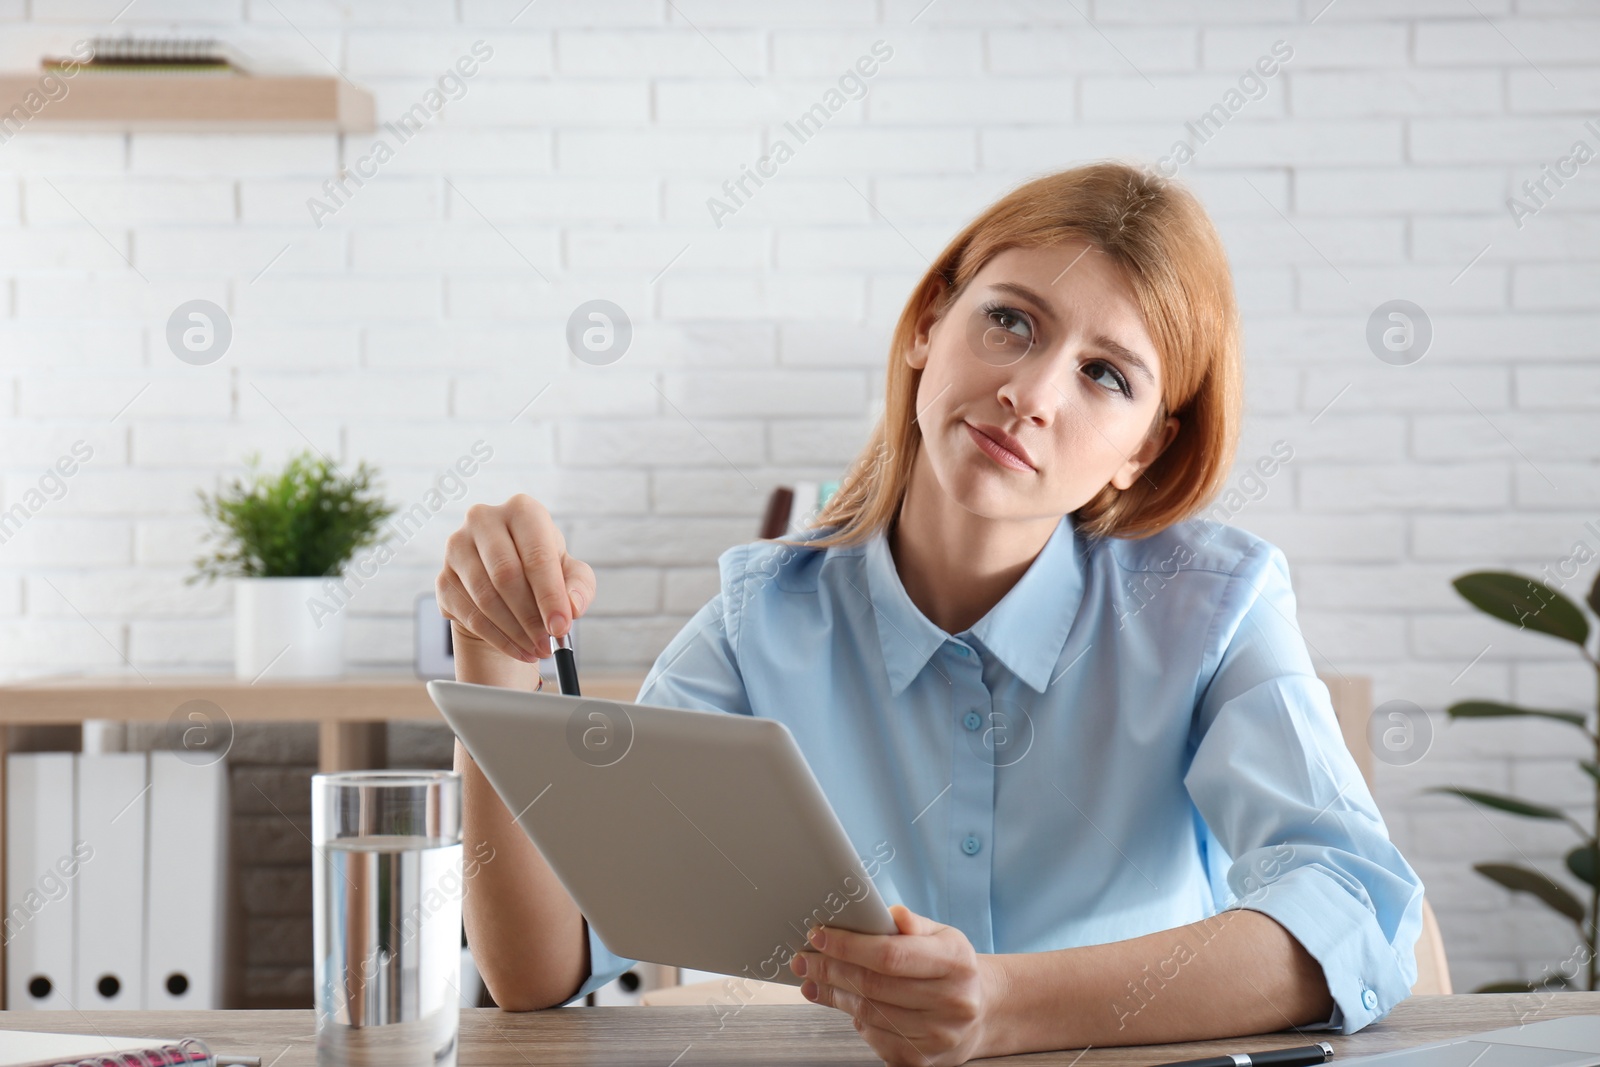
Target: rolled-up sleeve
1273,780
696,671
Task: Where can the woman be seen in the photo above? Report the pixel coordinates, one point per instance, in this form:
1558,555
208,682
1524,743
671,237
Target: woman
1115,799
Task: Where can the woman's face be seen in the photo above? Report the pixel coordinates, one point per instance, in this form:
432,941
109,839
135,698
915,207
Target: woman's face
1039,385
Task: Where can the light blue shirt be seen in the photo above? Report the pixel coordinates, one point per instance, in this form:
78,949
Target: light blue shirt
1132,739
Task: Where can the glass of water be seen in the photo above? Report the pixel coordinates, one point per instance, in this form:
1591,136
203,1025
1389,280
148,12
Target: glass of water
386,901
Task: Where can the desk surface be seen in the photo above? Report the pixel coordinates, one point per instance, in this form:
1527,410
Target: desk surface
800,1034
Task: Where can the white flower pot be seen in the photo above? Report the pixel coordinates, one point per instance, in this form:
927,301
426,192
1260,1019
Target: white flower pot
276,635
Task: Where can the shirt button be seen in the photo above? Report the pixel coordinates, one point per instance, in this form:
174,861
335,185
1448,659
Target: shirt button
1369,1000
970,845
972,720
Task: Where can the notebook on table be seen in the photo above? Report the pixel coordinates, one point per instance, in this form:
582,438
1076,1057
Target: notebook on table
26,1049
1571,1041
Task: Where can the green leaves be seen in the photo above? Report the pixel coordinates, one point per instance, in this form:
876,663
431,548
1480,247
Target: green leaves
1489,709
1533,605
1514,986
1525,603
307,521
1503,803
1581,862
1526,880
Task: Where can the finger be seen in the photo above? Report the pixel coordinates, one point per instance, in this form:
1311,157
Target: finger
910,922
902,1022
580,584
455,594
541,548
909,956
501,560
476,576
455,603
916,993
466,613
895,1024
897,1048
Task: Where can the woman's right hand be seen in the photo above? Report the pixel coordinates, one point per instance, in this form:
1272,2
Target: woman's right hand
508,580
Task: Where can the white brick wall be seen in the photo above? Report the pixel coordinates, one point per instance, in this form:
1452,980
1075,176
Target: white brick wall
431,308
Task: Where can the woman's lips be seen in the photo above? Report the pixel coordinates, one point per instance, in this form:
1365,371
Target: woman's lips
997,452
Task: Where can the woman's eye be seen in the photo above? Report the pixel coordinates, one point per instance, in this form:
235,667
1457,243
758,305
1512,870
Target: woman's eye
1104,374
1011,322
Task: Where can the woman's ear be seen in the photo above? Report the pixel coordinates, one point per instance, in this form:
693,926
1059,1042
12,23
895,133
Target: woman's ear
1151,451
917,354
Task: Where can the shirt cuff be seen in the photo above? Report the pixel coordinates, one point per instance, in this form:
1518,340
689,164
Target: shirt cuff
605,966
1364,972
1335,1021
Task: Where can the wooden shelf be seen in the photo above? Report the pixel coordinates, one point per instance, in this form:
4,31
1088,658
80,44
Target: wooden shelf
352,699
198,103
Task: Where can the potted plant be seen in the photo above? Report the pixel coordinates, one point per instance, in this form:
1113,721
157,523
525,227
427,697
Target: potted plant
1533,605
280,537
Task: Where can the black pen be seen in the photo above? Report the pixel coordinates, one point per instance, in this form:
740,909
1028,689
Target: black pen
567,665
1299,1056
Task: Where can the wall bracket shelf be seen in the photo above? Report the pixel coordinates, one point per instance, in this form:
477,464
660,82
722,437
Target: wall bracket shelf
188,103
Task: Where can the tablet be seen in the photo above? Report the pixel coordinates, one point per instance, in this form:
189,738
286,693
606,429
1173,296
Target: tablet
687,838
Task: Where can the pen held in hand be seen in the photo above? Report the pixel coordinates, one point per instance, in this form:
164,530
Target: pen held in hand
566,665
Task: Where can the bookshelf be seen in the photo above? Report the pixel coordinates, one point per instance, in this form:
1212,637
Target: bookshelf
191,103
352,712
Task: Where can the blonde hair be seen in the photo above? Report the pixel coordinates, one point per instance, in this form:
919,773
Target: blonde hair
1161,240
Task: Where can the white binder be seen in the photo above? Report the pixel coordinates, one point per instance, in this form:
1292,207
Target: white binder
185,881
113,790
42,872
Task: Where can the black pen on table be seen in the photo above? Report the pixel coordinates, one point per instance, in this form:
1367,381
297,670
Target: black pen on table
566,665
1299,1056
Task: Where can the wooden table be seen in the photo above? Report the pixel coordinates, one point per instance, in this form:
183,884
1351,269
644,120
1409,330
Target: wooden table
352,712
761,1034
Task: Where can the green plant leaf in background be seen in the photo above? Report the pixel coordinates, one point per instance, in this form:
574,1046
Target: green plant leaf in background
1505,987
1503,803
1489,709
1580,861
1536,883
1533,605
1524,602
1495,709
306,522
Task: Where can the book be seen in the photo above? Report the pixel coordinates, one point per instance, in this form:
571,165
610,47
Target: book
791,510
26,1049
187,69
155,55
776,520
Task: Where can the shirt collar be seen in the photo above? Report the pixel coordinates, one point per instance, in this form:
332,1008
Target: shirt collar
1025,631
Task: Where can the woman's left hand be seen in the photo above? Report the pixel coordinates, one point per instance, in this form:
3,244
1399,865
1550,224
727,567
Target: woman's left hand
922,998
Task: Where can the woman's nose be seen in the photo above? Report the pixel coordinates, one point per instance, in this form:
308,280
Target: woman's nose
1031,392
